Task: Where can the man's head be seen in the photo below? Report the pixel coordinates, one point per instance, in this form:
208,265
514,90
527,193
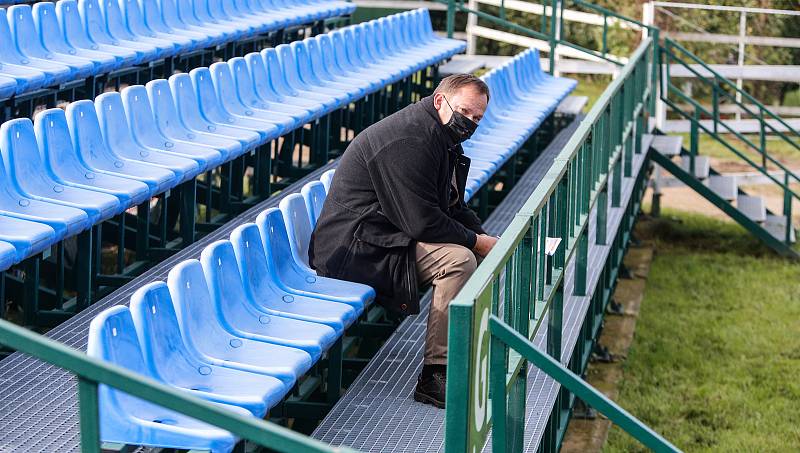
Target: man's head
465,93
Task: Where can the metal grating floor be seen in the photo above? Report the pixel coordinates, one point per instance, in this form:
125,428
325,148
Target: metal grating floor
38,402
377,413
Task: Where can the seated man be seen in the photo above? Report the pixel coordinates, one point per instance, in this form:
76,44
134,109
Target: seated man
395,216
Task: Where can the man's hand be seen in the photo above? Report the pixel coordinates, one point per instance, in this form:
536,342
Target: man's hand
484,244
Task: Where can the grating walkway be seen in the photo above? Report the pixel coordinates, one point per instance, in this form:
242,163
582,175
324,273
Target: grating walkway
38,401
377,413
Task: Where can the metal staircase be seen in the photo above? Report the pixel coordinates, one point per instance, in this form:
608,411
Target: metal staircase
775,229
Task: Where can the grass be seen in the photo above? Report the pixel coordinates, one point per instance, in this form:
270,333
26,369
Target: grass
715,362
590,86
776,147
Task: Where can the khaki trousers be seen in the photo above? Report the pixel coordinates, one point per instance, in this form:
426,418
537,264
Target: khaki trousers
446,267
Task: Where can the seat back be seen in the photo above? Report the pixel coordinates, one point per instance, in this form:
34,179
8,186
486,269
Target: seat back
198,320
207,96
20,20
87,138
314,195
244,83
165,114
288,65
94,22
186,103
164,351
114,124
134,18
327,180
8,50
260,76
72,25
55,144
225,283
141,120
23,164
222,79
253,265
298,225
275,72
115,23
48,30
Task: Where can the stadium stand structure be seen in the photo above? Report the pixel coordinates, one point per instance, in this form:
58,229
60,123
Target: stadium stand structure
71,170
235,327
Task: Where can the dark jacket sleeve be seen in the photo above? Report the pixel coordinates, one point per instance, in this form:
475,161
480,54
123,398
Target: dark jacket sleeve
404,177
467,217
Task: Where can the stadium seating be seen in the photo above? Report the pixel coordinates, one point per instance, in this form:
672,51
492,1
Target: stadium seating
50,44
97,159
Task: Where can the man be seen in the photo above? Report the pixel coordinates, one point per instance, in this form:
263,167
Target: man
395,216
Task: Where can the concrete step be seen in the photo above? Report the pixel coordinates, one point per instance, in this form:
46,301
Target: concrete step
572,105
668,145
752,207
724,186
776,226
702,166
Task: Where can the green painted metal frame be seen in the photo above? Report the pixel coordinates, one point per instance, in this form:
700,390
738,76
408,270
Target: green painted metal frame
518,281
673,53
92,372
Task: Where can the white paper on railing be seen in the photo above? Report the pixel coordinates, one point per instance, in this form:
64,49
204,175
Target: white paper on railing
551,245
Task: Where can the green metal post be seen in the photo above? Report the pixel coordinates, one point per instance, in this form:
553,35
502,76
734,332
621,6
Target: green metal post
553,38
694,138
498,395
602,216
787,207
451,17
89,415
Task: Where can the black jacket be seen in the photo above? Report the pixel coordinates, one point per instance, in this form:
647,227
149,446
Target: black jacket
393,187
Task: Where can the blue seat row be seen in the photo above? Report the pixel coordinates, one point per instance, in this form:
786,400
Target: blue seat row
523,96
236,327
52,43
69,170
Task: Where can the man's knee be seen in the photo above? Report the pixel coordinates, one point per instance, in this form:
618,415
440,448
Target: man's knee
462,260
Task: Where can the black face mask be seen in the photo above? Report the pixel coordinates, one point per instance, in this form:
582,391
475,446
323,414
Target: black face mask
460,128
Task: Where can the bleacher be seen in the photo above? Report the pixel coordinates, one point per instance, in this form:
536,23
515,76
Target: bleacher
97,160
237,318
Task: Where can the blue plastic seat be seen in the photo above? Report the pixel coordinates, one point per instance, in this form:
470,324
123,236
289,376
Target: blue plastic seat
276,69
30,74
212,108
265,90
188,108
298,225
26,238
167,356
26,170
314,194
266,291
326,179
201,328
203,14
242,317
171,127
229,100
128,420
8,255
76,35
46,21
318,69
63,164
8,86
30,44
94,152
142,123
163,15
97,30
118,30
296,278
308,76
290,63
134,19
118,136
246,89
195,13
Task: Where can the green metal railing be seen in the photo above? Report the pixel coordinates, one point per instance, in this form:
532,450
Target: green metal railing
725,91
91,372
520,284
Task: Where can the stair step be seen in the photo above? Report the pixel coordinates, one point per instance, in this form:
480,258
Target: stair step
776,226
702,166
724,185
752,207
647,141
668,145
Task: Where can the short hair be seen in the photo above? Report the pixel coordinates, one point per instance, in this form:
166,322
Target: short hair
452,83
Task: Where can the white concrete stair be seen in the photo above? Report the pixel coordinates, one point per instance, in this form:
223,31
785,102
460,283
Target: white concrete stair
776,226
724,185
668,145
752,207
702,166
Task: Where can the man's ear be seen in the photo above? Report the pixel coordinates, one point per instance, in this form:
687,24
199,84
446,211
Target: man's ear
438,98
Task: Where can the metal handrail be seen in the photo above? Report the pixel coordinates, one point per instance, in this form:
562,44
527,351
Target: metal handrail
505,338
92,372
518,280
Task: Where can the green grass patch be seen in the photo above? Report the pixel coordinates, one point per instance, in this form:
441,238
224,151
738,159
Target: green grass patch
779,149
591,86
715,362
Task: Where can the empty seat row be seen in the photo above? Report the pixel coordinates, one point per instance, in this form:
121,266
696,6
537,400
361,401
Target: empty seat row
237,327
522,97
68,170
52,43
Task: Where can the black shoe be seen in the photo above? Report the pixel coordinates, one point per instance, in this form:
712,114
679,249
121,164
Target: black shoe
431,389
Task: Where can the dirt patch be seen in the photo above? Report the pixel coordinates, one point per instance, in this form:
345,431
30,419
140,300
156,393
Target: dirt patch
590,435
